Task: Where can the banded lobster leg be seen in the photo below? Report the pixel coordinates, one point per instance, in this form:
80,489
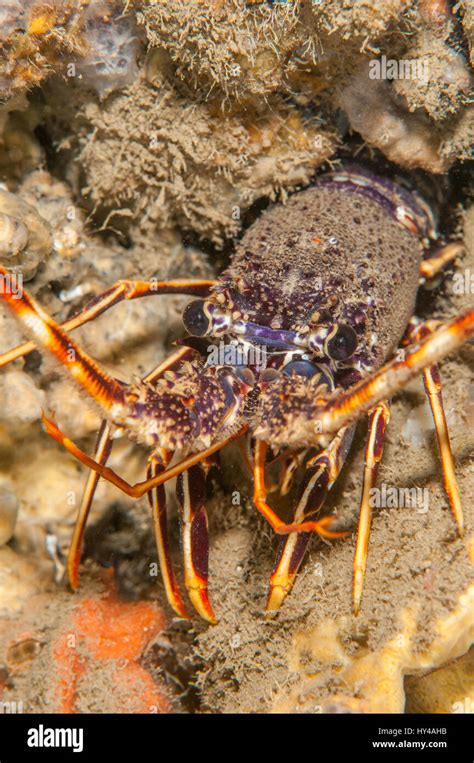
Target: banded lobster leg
323,470
321,473
102,452
191,495
157,501
424,346
378,420
438,259
330,417
432,382
157,463
86,372
108,392
320,526
122,290
101,386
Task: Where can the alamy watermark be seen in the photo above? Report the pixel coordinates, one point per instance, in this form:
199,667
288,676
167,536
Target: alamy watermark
463,282
12,708
392,68
42,736
237,354
386,497
464,706
12,284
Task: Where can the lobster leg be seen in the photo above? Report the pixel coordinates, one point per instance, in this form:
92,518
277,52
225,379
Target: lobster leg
329,417
393,376
320,526
433,387
120,291
437,260
106,390
101,454
289,470
432,382
322,472
169,363
157,500
139,488
259,497
191,494
378,420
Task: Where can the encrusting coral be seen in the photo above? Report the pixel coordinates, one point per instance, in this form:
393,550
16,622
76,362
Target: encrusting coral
206,174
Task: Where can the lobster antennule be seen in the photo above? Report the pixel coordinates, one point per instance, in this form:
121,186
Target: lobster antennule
100,385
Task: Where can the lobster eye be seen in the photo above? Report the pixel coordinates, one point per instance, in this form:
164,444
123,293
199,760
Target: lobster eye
300,368
195,319
342,343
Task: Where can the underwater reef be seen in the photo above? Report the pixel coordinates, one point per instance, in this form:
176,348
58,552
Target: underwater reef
140,139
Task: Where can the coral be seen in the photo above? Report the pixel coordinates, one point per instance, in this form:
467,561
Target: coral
238,48
77,38
384,121
373,682
450,689
112,44
365,21
202,177
447,82
61,658
25,236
